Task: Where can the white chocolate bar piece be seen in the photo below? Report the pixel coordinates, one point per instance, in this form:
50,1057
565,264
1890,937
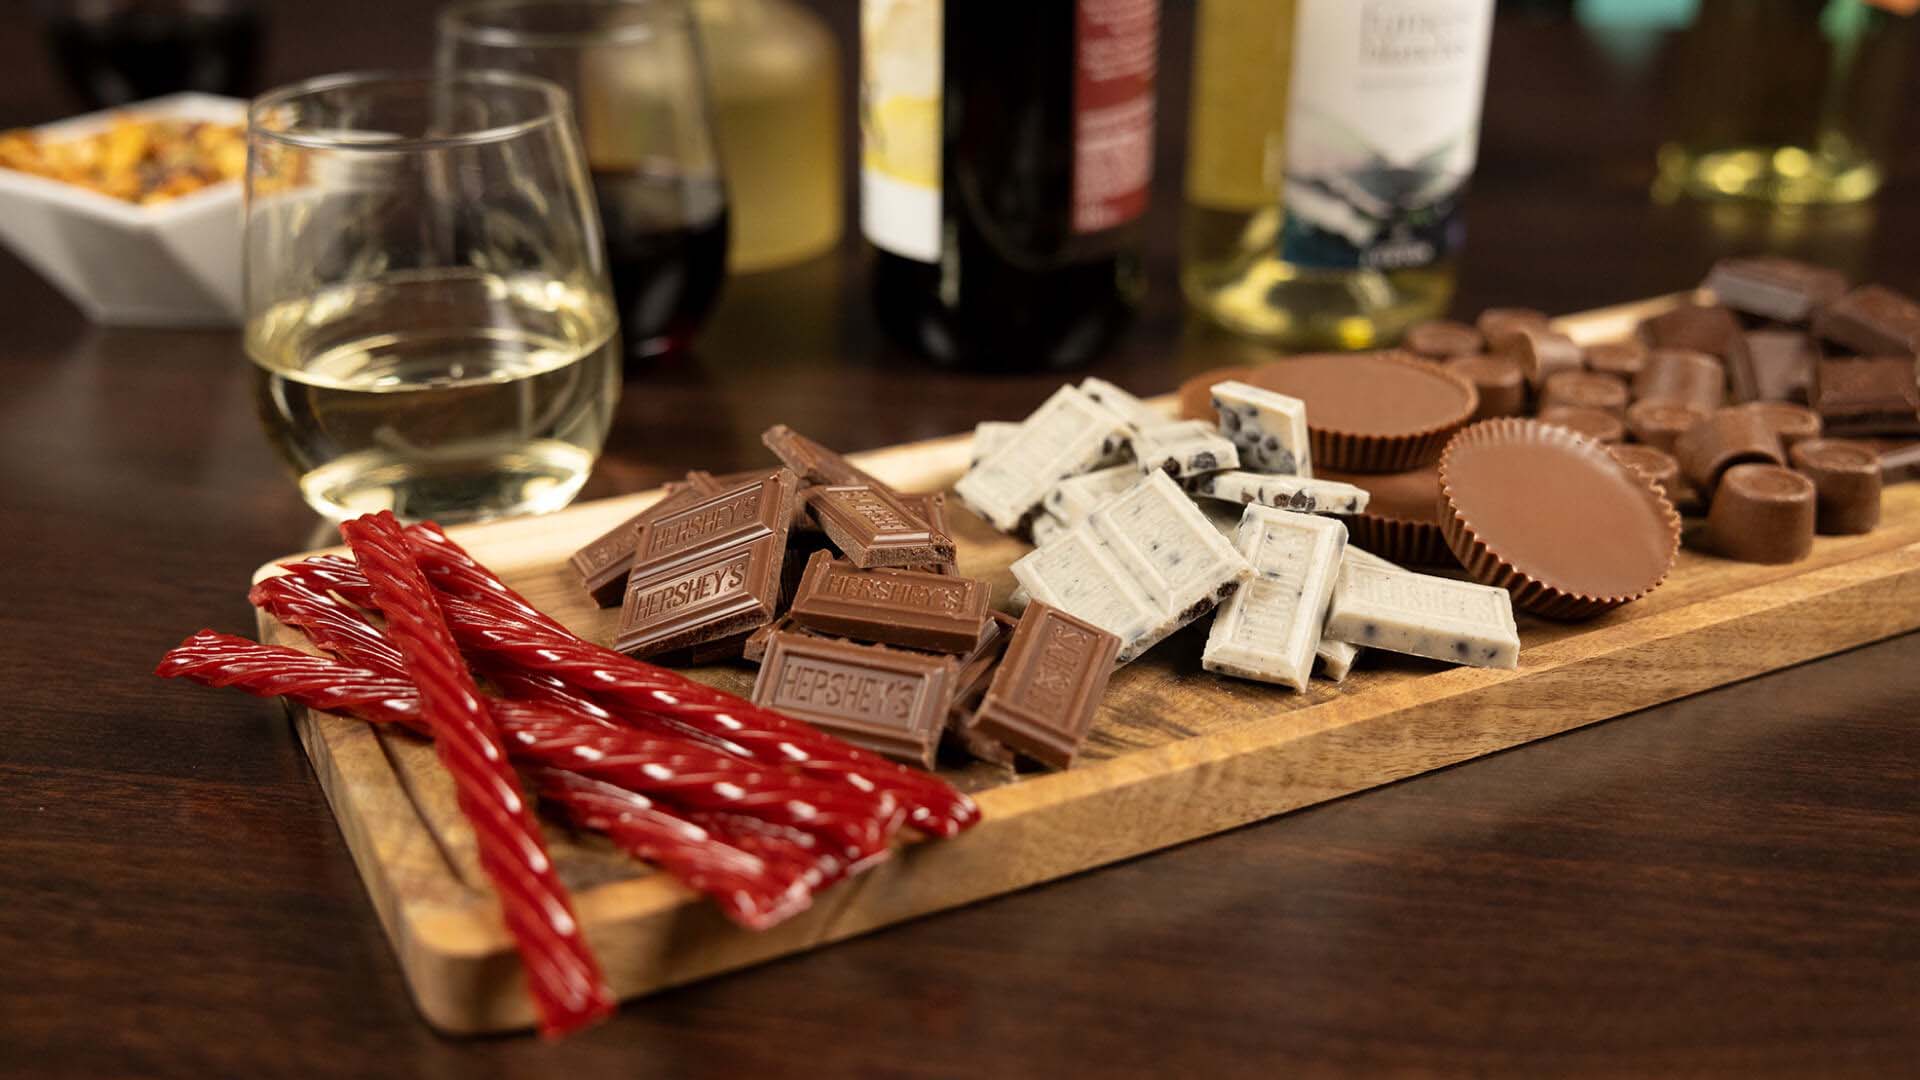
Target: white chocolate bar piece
1439,618
1269,429
1122,404
1079,574
1225,517
988,436
1181,450
1047,529
1337,657
1067,435
1270,629
1072,499
1303,495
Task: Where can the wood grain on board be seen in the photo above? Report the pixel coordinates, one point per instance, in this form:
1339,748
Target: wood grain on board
1176,753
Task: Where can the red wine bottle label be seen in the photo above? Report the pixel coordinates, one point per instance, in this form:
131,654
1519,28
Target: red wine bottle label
1114,55
900,84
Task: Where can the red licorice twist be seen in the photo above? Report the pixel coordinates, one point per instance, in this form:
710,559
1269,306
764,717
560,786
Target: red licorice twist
563,979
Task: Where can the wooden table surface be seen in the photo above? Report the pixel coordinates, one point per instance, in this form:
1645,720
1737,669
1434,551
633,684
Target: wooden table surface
1726,885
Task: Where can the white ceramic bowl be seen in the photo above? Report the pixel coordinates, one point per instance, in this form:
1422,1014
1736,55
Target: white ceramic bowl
175,263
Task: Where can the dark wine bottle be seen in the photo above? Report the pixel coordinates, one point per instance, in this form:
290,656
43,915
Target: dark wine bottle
1007,147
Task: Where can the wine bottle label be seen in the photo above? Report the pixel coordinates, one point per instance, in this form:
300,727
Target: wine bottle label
900,81
1115,44
1382,125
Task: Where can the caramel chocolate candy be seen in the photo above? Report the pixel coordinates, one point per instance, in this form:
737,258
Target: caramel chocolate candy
1762,514
1601,427
1438,339
1501,383
1498,324
938,612
1044,696
1867,396
889,701
1661,423
1782,363
1872,320
1846,484
1791,422
873,527
1653,463
1774,287
1541,353
1682,375
1710,329
1586,390
1728,437
1622,359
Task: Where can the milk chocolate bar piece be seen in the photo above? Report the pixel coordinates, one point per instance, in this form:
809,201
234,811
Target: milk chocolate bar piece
753,648
970,685
1270,629
812,462
604,562
708,571
1072,499
1782,363
1438,618
988,436
873,527
1069,434
892,607
1867,396
1048,687
1183,449
1711,329
1872,320
1774,287
1301,495
889,701
932,508
1131,409
1269,429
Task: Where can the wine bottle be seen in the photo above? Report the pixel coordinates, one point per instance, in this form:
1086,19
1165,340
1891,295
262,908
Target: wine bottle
1006,150
1330,147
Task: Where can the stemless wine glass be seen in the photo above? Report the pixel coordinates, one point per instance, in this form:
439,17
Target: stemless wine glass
427,302
640,92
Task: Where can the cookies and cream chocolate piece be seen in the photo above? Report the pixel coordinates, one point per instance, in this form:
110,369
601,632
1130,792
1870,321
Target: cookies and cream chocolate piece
1299,494
1122,404
1047,528
988,436
1338,657
1068,434
1269,630
1182,449
1872,320
1269,429
1774,287
1079,574
1421,615
1072,499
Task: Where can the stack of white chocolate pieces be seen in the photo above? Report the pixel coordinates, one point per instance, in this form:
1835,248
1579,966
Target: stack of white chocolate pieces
1134,517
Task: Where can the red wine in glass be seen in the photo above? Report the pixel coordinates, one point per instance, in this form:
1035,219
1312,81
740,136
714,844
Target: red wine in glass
116,53
666,238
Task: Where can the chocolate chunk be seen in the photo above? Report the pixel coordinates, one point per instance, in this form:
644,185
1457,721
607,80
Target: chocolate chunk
1622,359
1791,422
1603,427
1868,396
889,701
1498,324
1846,484
1711,329
1044,696
1439,339
708,571
813,462
872,527
1541,353
932,508
1586,390
1762,514
1872,320
892,607
1500,381
1661,423
1774,287
1682,375
1728,437
1782,363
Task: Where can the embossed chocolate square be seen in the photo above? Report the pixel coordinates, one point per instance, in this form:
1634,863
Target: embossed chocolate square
919,610
873,527
1048,687
888,701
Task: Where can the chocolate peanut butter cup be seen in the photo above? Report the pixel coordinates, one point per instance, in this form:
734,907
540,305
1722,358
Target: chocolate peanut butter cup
1653,463
1402,520
1554,518
1375,412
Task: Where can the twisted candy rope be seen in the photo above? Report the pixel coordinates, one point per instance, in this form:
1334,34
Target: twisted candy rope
562,977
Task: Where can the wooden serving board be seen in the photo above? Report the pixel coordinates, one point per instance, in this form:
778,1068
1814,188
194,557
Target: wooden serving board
1177,753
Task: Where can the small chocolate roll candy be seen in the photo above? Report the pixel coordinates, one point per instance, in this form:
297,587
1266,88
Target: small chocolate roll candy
1542,353
1622,359
1586,390
1497,324
1599,426
1502,385
1681,375
1762,514
1846,483
1793,423
1661,423
1727,437
1438,339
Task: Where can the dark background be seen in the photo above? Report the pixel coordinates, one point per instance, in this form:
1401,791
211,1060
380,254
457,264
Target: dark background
1726,885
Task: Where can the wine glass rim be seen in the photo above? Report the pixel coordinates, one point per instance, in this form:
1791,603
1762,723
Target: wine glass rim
556,108
458,19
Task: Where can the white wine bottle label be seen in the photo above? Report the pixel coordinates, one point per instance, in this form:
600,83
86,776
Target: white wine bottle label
900,83
1115,43
1382,124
